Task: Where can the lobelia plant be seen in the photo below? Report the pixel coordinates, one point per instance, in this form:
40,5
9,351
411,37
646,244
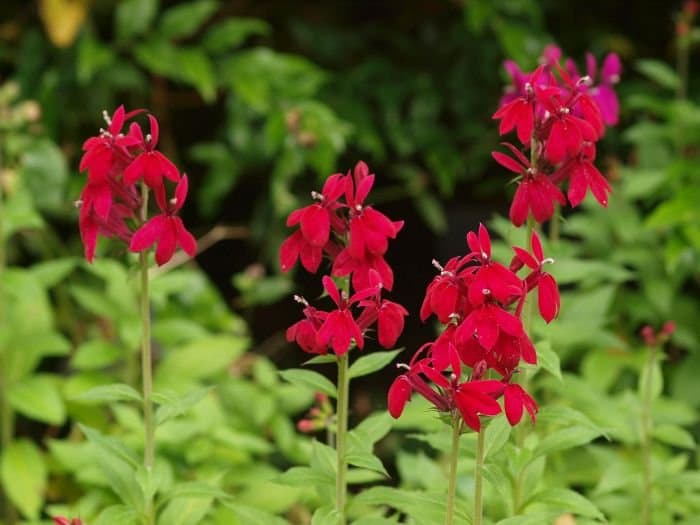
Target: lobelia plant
123,169
354,236
483,306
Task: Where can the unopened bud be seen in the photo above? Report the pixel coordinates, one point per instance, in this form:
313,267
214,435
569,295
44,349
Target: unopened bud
668,328
320,397
306,426
648,335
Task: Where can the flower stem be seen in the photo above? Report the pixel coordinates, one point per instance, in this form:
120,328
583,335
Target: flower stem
452,484
341,437
479,480
146,362
7,415
647,427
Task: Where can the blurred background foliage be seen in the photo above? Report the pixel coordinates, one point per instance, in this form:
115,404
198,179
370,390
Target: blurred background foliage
259,102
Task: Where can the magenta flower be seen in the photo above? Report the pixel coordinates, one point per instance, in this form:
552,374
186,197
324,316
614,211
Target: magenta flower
166,229
151,165
536,193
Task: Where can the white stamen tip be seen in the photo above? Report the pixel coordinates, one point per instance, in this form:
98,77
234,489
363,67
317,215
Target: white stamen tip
149,138
548,260
301,300
316,196
173,201
78,203
106,117
358,207
486,291
403,365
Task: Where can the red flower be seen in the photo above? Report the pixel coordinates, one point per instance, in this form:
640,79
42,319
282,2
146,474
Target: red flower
583,175
305,332
399,394
547,289
486,322
339,328
475,398
166,229
445,295
107,152
514,399
520,112
295,247
536,193
152,165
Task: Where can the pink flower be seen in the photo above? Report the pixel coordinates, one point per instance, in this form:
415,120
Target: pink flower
166,230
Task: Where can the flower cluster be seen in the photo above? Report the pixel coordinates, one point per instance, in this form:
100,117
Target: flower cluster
355,237
558,115
480,302
111,204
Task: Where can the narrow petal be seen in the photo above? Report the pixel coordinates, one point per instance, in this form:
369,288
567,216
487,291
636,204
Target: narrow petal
148,234
167,243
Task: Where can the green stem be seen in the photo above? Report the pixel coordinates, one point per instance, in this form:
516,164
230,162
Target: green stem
7,415
479,480
682,57
146,363
452,480
647,427
341,438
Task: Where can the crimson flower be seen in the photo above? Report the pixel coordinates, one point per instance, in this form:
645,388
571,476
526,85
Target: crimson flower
108,151
166,229
315,224
305,332
339,328
475,398
583,175
151,164
536,192
515,398
444,295
547,289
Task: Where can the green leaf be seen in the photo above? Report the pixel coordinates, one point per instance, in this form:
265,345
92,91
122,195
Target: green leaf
38,397
323,458
24,476
303,476
121,514
566,500
659,72
133,17
309,379
326,516
651,380
184,20
497,433
421,506
373,428
674,435
321,360
109,393
50,273
200,359
196,69
172,406
548,359
185,511
45,171
565,438
366,460
251,516
190,489
118,465
232,32
96,354
369,363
